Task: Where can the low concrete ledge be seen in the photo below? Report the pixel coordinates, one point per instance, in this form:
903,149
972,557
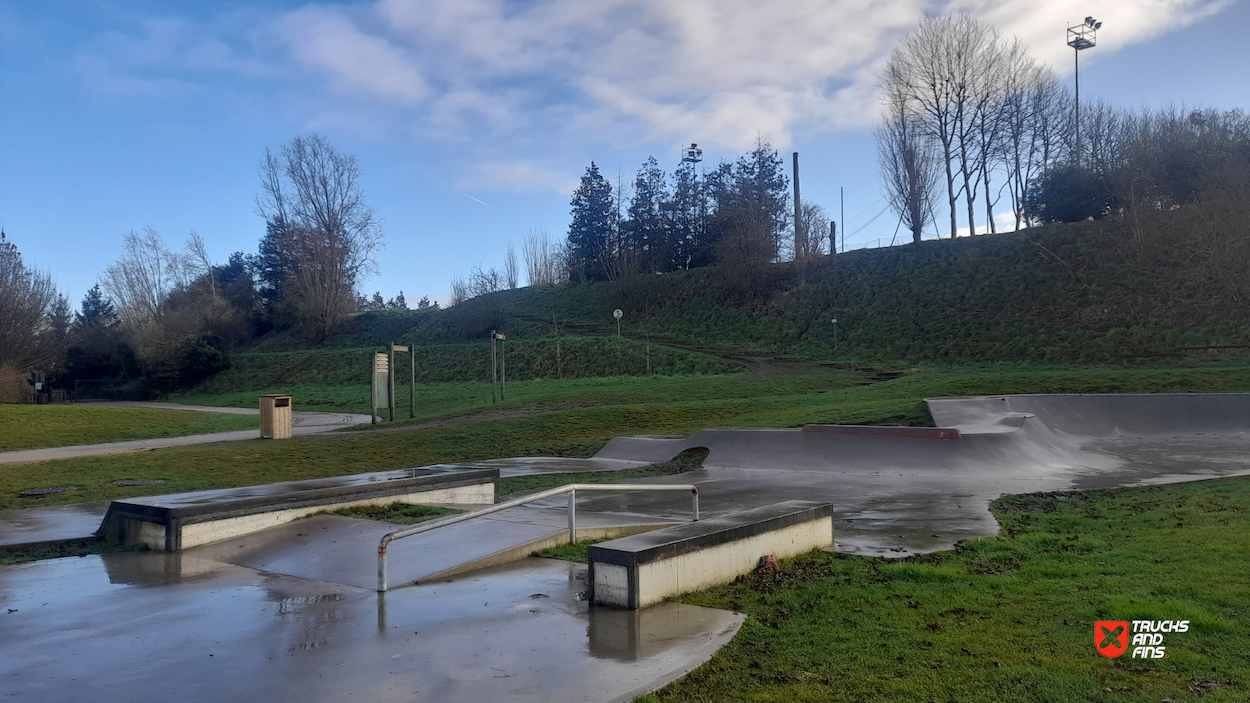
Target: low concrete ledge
882,431
644,569
179,521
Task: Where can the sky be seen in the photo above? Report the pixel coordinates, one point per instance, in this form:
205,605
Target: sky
472,120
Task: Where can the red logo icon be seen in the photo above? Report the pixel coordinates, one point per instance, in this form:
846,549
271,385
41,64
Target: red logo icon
1111,637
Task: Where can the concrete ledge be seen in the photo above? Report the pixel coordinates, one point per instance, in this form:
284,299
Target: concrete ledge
878,431
180,521
642,570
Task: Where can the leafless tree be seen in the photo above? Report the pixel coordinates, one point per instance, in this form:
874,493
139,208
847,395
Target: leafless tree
459,291
541,258
29,340
909,166
140,281
510,273
311,193
934,71
814,220
483,281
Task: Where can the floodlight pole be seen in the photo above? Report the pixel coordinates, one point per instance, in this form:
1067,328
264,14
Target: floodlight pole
1080,37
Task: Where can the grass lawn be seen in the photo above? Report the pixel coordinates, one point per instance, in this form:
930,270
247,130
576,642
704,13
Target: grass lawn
646,406
1006,618
40,426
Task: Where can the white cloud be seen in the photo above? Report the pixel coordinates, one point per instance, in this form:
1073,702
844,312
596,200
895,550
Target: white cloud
520,176
721,71
328,42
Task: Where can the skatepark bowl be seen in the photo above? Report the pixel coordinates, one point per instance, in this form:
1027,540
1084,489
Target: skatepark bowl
290,612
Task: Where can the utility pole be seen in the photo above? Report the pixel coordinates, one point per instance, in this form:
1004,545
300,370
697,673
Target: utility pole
842,216
799,240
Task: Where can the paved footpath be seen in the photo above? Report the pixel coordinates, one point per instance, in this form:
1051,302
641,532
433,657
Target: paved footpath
303,422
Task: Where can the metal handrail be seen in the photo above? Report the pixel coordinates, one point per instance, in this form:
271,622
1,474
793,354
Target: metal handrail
571,489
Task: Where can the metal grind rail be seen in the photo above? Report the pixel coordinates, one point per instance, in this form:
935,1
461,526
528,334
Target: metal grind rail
570,489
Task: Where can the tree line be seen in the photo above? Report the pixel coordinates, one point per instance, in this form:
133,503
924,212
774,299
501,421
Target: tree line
970,120
161,318
738,213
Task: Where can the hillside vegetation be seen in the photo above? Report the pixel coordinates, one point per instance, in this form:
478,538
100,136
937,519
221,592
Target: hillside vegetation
1087,293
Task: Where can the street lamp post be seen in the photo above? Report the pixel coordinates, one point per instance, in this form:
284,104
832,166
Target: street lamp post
1080,37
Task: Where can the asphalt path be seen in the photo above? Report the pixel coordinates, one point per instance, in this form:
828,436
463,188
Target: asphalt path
303,422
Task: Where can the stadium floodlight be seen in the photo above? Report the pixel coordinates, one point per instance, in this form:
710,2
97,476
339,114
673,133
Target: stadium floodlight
1080,37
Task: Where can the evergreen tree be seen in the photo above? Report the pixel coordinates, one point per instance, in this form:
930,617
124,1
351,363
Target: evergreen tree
96,310
687,234
590,232
648,214
752,211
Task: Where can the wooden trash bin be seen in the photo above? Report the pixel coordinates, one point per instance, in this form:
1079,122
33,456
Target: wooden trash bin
275,417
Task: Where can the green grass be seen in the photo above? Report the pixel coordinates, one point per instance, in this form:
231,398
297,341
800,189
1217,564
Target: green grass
579,552
56,550
1007,618
398,513
41,426
637,407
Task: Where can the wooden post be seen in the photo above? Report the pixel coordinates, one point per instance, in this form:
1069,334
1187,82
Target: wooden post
390,382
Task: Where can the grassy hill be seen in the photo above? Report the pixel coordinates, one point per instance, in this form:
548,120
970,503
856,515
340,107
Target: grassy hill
1061,295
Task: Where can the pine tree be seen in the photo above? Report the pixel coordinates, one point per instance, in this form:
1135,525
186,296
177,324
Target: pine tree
590,232
96,310
648,221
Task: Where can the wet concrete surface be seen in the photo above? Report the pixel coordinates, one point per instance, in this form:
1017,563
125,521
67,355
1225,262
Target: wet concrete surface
528,465
165,627
345,550
289,488
54,524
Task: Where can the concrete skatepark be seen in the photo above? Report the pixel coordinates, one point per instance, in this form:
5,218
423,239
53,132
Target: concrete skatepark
288,613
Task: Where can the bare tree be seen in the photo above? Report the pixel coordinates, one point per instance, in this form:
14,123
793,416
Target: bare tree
483,281
933,71
311,194
813,218
541,258
908,163
140,281
459,291
510,272
29,302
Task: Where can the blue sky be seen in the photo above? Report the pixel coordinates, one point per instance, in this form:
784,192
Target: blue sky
121,115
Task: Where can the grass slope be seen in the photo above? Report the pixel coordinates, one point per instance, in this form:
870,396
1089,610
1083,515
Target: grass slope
40,426
637,406
1008,618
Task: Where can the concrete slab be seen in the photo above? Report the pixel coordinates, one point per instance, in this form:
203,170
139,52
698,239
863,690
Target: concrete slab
183,520
161,627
